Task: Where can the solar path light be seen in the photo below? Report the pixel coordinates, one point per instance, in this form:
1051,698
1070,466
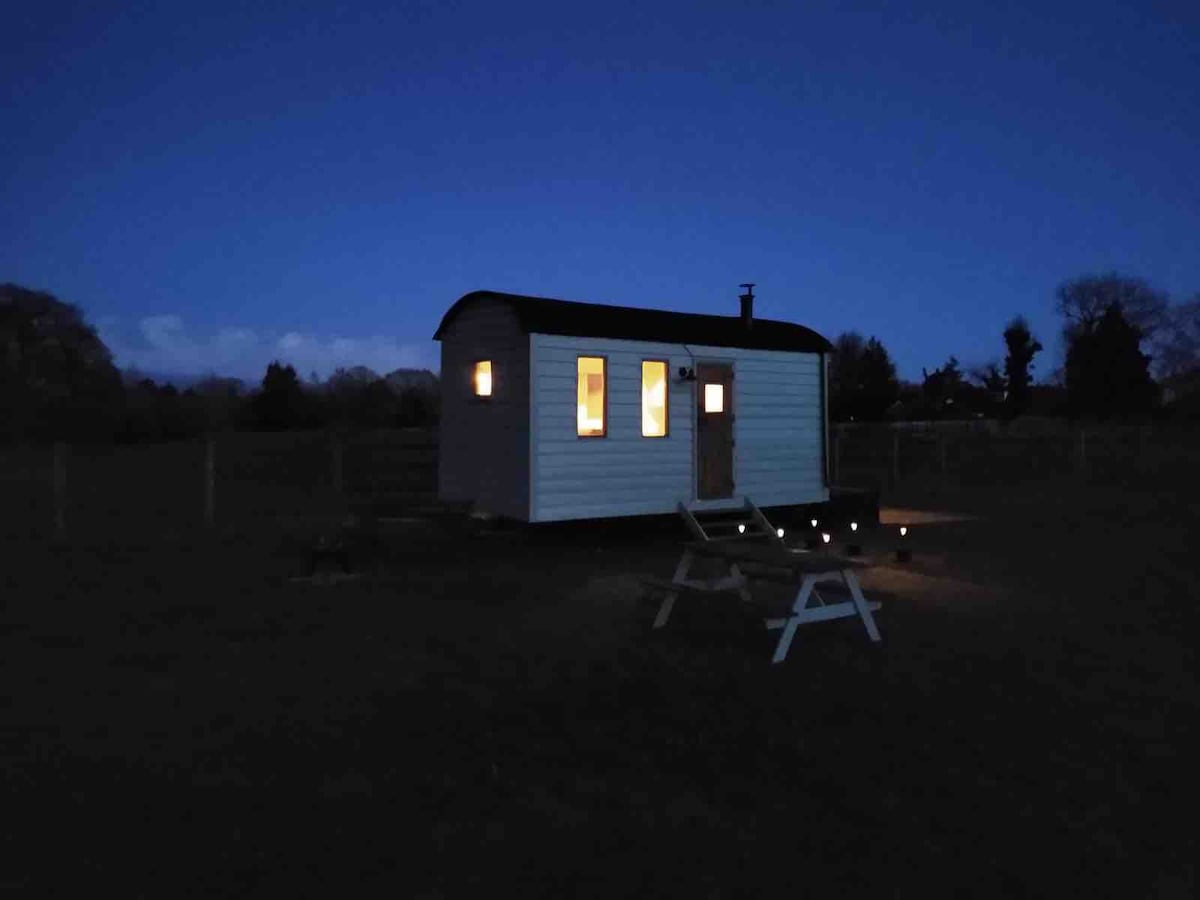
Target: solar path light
812,542
855,548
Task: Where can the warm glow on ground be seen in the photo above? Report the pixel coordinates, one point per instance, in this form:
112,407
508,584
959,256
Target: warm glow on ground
891,515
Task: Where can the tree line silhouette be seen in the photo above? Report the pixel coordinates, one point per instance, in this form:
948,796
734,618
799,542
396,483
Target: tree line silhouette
1128,352
58,381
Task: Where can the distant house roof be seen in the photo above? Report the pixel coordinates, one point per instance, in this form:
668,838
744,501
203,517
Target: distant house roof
541,315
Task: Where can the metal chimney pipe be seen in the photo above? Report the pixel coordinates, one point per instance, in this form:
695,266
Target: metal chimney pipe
747,306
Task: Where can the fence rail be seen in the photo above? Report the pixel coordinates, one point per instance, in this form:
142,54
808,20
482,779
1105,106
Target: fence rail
234,479
246,480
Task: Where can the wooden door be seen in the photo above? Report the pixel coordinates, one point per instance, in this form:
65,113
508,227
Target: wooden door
714,431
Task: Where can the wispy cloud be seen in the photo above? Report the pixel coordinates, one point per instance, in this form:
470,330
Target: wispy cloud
163,344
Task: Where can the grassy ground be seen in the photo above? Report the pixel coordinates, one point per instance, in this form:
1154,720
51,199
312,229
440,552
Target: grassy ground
487,709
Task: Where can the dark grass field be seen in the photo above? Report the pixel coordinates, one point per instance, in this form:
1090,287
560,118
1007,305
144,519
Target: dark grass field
485,709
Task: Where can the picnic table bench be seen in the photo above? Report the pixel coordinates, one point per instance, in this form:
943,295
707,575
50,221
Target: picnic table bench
747,561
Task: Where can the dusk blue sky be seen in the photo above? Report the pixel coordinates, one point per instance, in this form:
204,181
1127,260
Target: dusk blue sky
216,185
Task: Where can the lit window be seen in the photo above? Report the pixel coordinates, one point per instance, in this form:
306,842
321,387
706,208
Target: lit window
654,398
714,398
591,397
483,378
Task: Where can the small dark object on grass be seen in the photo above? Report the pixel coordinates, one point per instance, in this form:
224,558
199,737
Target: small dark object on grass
332,549
854,550
812,543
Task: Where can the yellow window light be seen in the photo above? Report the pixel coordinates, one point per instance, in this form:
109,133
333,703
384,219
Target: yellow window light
714,398
654,398
591,401
483,378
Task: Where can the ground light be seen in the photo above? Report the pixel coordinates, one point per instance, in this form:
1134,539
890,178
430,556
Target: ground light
825,537
903,553
811,541
741,529
854,549
779,532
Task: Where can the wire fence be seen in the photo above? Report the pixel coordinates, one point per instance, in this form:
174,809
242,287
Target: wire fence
878,456
229,481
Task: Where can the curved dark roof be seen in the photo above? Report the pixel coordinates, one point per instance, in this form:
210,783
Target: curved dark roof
542,315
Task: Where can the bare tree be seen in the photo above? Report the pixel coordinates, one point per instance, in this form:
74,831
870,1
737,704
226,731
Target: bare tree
1176,346
988,376
1083,301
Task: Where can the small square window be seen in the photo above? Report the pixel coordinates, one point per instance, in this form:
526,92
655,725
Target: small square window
482,378
714,398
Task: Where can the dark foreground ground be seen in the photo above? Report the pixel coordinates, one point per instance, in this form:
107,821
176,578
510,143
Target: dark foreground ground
488,712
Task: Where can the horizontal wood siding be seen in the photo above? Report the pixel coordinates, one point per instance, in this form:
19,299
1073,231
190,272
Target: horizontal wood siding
777,429
484,446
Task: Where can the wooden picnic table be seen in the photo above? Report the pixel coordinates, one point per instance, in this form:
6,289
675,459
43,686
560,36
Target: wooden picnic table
751,560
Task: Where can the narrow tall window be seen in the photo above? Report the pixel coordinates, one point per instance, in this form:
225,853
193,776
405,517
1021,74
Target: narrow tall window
654,398
483,378
591,398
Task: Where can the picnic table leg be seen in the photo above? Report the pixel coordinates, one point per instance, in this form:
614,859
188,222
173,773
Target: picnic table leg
681,571
860,604
793,622
743,583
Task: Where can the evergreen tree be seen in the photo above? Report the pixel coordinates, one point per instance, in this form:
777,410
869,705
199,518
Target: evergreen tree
1107,374
863,384
1022,347
280,404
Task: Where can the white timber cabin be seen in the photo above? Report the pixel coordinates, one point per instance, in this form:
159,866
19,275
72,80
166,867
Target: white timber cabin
555,410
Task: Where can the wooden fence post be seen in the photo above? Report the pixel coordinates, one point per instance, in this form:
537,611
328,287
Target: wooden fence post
60,490
1082,449
895,457
942,454
837,456
210,492
337,465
